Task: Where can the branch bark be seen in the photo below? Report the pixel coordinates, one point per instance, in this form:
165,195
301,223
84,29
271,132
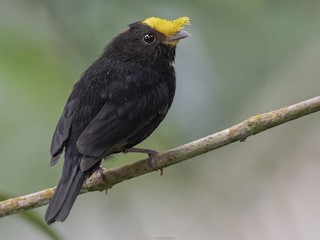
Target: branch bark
111,177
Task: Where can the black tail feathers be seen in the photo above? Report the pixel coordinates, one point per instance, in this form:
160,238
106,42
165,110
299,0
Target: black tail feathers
65,194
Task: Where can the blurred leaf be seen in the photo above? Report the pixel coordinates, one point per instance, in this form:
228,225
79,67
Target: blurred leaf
34,219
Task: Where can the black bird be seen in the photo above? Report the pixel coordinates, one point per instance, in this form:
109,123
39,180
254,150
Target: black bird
117,103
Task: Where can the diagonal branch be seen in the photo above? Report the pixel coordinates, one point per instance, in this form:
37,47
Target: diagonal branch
111,177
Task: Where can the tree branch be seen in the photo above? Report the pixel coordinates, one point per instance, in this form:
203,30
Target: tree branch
111,177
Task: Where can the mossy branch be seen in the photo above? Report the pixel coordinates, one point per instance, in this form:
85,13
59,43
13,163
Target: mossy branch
110,177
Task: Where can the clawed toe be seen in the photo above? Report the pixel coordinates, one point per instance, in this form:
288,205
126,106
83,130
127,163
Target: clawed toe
151,154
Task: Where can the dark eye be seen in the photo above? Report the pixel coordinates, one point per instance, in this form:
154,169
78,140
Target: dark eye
149,38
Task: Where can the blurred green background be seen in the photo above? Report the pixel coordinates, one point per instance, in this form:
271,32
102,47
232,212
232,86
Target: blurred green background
244,58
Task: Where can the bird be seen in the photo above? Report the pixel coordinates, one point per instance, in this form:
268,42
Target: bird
116,104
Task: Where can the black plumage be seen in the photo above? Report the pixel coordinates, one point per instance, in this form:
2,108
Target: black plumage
117,103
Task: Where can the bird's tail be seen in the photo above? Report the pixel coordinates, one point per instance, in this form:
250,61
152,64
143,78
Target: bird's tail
65,194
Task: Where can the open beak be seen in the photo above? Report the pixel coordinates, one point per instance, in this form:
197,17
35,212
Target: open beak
179,35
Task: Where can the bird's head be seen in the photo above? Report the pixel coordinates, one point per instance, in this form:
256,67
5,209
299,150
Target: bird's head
150,39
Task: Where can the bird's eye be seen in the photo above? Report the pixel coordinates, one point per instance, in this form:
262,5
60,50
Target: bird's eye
149,38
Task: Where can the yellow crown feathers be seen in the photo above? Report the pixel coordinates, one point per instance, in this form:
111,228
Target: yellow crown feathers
167,27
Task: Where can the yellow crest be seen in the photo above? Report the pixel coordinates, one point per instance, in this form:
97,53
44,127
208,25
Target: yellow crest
167,27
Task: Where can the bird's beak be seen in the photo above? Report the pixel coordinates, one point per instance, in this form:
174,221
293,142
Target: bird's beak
179,35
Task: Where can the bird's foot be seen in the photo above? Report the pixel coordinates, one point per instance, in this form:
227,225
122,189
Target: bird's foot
101,174
151,153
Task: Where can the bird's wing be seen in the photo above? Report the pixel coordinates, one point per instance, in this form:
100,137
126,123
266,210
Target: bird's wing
109,131
61,133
